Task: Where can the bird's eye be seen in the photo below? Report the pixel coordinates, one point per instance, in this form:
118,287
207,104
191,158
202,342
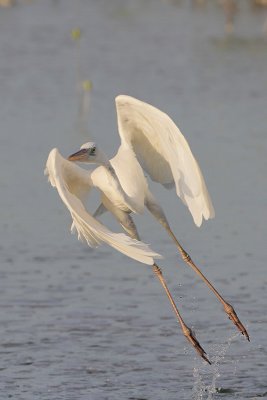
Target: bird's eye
92,152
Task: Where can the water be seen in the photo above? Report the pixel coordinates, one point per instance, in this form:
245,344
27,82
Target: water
83,324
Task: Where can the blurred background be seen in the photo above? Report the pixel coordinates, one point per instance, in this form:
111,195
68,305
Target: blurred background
77,323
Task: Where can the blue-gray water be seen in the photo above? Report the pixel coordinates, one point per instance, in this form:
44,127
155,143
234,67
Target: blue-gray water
77,323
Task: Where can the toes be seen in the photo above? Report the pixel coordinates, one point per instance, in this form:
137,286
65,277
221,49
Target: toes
195,343
234,318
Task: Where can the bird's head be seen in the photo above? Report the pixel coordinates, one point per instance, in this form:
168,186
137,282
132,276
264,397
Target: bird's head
88,153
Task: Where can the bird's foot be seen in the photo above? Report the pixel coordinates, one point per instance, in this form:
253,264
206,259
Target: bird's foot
233,317
195,343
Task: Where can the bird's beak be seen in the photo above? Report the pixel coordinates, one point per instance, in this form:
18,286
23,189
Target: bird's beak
80,155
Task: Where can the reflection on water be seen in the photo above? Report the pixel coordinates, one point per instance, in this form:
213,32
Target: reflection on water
91,324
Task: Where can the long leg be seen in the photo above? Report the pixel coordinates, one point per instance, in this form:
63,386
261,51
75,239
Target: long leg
128,224
158,213
228,308
186,331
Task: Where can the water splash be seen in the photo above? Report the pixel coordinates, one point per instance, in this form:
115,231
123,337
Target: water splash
202,390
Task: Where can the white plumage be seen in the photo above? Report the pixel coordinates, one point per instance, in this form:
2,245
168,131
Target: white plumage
150,141
164,153
73,184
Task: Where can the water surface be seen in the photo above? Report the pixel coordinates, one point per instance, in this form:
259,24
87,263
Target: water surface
90,324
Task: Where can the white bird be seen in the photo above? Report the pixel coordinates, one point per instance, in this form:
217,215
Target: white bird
149,140
73,185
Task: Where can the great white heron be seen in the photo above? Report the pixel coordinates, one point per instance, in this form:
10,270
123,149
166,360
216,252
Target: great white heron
150,142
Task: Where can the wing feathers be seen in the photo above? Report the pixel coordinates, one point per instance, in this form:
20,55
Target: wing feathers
72,182
164,153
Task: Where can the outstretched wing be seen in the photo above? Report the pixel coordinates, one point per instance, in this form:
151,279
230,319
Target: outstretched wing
164,153
72,183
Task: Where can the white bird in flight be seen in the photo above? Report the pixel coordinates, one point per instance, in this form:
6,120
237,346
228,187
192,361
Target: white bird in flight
150,141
